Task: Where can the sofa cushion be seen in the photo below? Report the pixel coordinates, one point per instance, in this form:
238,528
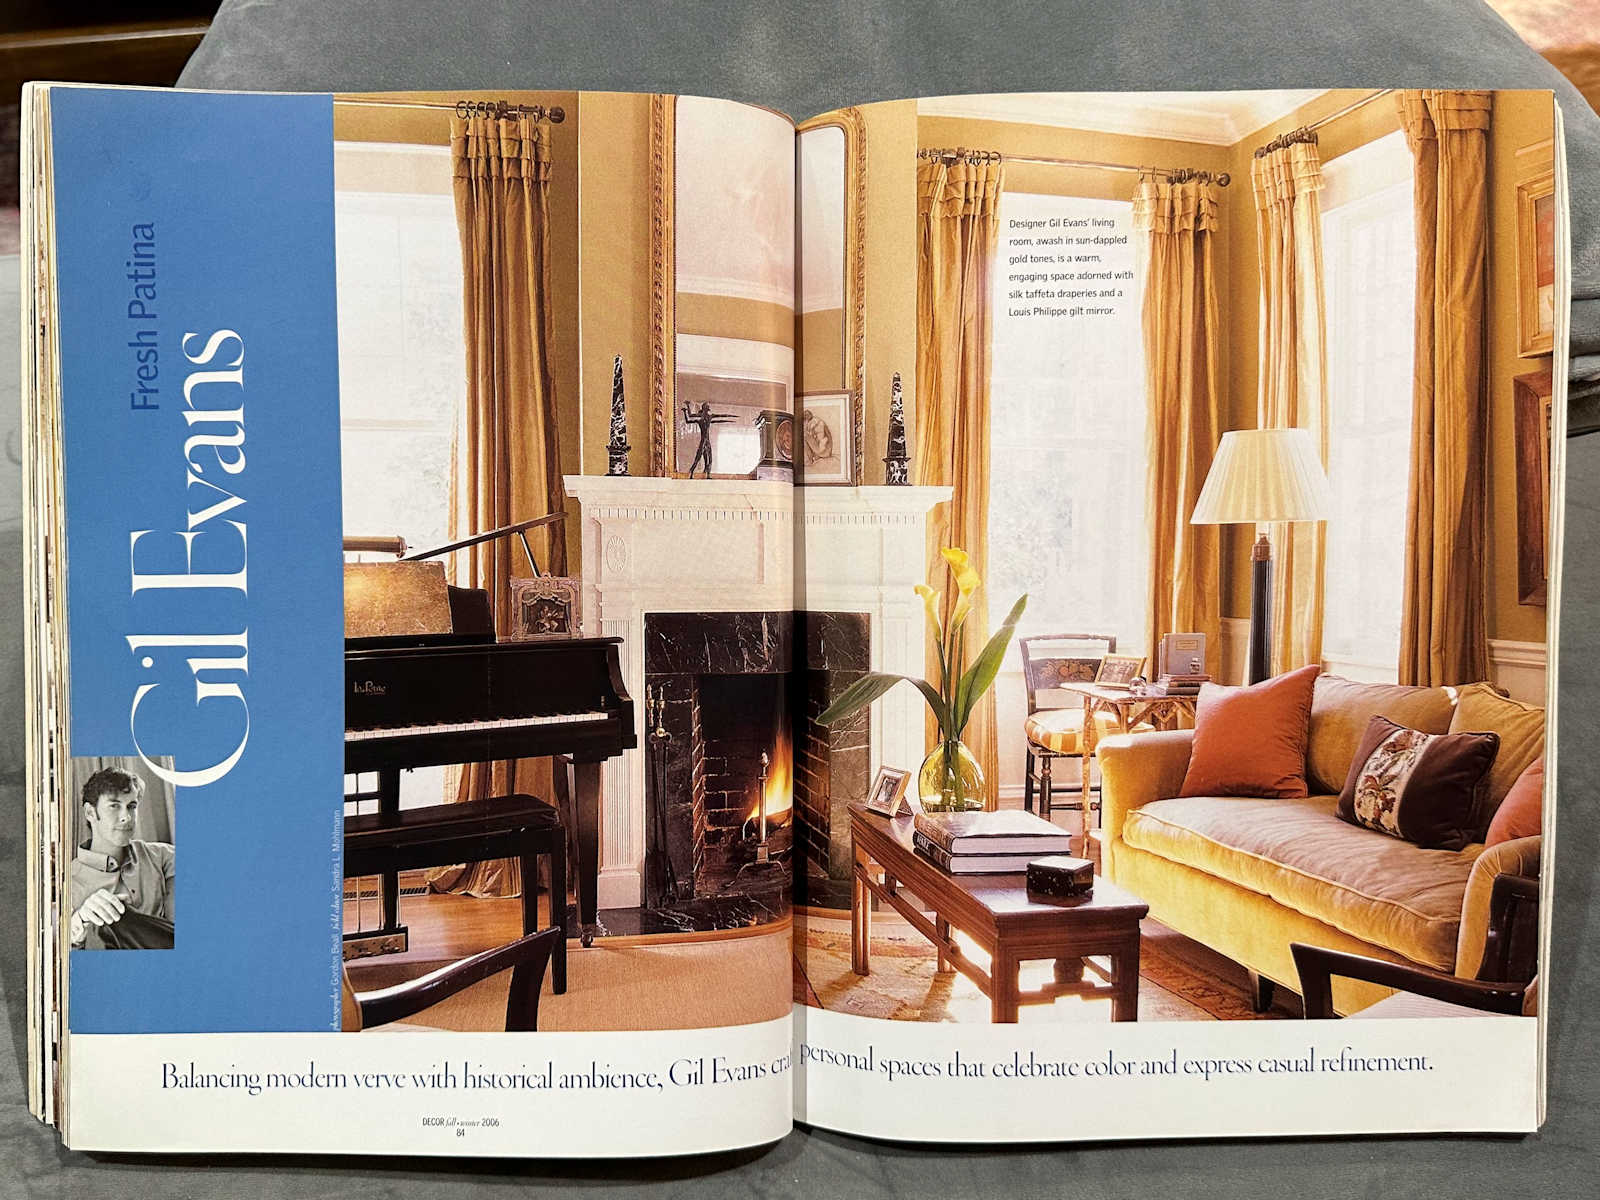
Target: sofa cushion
1298,852
1342,708
1251,741
1480,708
1422,787
1521,813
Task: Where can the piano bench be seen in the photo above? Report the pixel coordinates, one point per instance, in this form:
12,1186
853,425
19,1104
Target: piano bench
517,826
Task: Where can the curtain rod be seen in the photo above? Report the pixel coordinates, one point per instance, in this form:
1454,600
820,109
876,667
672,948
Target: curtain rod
555,114
1176,174
1308,133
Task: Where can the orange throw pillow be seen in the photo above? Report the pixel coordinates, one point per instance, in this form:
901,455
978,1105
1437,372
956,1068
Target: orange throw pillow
1521,813
1251,741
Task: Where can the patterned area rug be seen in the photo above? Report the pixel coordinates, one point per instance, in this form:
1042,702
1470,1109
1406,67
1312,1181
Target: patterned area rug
903,985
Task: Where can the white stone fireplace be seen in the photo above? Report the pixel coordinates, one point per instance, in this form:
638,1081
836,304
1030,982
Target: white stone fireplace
719,545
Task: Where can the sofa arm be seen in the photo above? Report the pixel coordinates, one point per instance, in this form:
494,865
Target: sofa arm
1136,768
1520,856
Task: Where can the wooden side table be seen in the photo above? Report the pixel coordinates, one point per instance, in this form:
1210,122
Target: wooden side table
997,913
1126,709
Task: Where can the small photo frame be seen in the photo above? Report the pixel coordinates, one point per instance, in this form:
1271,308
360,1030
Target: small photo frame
545,608
1119,670
888,796
824,442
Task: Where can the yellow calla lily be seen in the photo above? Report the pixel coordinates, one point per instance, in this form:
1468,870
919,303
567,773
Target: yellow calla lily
930,601
967,580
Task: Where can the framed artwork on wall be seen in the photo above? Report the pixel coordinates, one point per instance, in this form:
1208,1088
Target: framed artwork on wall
1532,401
1536,264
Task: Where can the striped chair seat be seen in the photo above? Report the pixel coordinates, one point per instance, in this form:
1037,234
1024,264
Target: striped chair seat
1060,730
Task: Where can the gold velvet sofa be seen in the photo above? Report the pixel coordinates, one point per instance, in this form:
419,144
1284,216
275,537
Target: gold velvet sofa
1247,876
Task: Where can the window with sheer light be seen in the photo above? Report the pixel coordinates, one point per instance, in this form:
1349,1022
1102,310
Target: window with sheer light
1369,273
402,359
1067,434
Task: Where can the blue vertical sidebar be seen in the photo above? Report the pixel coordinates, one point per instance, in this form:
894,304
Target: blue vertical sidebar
198,348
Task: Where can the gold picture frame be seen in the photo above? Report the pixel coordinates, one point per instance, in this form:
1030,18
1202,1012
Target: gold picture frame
546,608
1119,670
1536,269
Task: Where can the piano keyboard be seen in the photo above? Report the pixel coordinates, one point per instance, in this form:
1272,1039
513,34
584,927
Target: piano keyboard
397,731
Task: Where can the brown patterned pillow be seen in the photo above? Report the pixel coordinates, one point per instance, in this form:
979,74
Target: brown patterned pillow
1419,787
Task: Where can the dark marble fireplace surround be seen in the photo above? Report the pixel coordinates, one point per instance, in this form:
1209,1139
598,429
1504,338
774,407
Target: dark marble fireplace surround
728,686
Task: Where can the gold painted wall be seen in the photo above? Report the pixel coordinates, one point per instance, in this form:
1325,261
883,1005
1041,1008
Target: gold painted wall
1520,145
734,317
819,355
614,270
890,337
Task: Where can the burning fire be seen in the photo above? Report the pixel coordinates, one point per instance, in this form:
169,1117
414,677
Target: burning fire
780,784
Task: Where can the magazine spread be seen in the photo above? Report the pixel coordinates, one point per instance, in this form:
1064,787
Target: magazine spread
962,619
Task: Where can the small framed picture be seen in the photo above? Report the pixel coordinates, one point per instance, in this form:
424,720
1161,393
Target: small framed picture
546,607
888,796
824,452
1120,670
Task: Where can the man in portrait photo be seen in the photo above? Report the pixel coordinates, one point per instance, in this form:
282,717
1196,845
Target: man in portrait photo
119,888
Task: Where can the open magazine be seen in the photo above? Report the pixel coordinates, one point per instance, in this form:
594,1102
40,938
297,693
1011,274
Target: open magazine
597,624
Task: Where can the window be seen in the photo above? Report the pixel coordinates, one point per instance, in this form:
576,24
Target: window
402,358
1067,421
1369,271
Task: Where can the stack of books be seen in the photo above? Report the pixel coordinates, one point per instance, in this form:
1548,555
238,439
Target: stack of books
986,843
1177,685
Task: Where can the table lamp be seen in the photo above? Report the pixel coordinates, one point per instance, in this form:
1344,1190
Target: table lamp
1259,476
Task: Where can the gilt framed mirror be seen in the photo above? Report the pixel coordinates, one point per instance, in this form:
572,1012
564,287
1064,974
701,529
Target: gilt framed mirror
722,289
831,292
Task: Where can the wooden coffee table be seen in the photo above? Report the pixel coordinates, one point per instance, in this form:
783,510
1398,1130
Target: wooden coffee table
997,913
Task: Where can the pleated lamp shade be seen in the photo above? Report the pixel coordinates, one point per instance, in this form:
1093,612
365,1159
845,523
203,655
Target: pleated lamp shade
1262,475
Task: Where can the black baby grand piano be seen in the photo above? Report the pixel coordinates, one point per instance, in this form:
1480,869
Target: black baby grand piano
426,684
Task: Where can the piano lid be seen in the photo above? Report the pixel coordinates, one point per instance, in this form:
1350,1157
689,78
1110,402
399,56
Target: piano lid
395,599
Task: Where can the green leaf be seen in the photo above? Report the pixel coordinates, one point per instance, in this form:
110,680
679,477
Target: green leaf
980,678
873,685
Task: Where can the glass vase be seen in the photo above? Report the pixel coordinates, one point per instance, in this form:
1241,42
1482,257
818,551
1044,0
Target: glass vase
951,780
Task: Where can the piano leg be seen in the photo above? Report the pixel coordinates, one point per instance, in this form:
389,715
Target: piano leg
586,818
389,881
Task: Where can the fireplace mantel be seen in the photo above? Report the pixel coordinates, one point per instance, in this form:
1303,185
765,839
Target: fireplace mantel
728,545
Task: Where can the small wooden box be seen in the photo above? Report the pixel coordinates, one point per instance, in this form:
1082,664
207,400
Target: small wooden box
1060,877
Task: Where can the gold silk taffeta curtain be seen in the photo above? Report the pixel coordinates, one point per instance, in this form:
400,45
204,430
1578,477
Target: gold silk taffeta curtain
958,222
1444,636
507,461
1293,375
1178,221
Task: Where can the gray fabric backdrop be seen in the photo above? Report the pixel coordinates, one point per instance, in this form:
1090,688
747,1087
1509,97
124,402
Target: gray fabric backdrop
805,58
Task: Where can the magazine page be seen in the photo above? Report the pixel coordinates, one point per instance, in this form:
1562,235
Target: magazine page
429,584
1177,499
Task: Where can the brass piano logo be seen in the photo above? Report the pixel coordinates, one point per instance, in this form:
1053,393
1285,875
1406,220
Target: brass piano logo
368,687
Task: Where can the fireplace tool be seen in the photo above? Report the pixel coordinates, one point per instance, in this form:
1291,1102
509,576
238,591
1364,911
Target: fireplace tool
655,708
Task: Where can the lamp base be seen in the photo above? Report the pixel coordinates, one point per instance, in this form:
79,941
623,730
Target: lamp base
1260,662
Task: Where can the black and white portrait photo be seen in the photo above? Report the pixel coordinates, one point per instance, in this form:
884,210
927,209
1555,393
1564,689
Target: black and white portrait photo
121,879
